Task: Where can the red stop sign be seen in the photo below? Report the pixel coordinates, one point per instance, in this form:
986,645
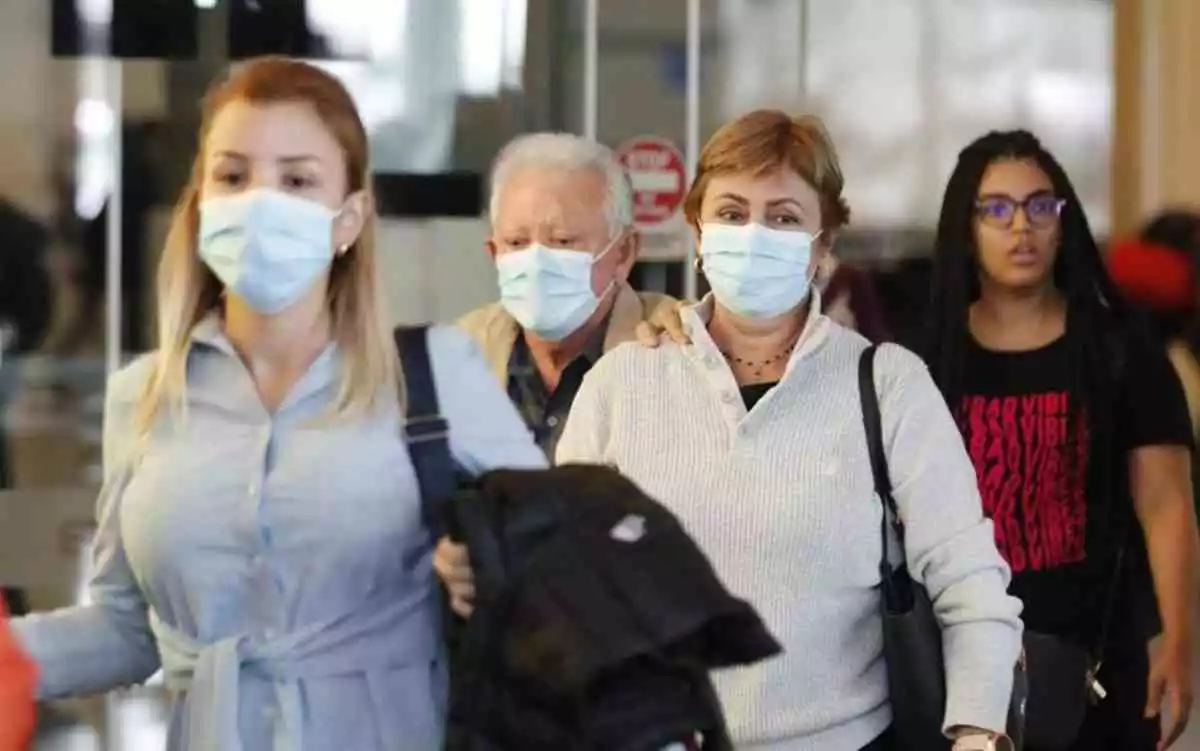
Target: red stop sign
658,175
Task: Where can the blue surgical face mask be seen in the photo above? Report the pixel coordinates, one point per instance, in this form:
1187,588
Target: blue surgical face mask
266,247
755,271
549,290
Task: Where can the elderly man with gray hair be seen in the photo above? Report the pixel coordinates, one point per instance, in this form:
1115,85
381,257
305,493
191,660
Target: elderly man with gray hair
564,242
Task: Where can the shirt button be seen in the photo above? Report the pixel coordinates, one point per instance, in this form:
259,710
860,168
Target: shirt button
711,361
729,397
252,489
552,421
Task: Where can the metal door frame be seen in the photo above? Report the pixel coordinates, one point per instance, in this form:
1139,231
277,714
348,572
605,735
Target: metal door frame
591,70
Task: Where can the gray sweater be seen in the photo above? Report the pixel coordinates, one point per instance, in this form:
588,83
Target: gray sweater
781,499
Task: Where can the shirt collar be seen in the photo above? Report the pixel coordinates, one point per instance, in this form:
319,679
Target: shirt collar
592,349
210,334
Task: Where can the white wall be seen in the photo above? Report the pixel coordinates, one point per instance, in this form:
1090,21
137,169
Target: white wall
435,270
24,106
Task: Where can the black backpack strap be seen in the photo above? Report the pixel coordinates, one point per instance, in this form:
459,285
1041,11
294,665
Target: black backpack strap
426,432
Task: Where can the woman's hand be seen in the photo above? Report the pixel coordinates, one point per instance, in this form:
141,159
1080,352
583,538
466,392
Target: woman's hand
453,567
664,321
1170,684
18,684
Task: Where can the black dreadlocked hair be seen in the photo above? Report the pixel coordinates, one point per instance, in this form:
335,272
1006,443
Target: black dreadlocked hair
1094,306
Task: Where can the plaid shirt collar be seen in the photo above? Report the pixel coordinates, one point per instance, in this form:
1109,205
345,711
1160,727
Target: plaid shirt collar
545,412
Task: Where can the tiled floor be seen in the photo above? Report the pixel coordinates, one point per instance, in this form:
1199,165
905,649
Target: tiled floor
138,724
141,727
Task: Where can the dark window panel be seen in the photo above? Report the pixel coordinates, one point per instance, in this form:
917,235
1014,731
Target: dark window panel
441,194
163,29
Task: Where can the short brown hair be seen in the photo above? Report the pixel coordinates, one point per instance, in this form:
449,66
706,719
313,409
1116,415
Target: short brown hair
766,140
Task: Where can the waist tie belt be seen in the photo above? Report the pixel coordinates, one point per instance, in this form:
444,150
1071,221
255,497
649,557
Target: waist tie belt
394,634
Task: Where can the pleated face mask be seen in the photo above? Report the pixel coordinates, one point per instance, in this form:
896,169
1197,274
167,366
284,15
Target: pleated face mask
267,247
549,290
755,271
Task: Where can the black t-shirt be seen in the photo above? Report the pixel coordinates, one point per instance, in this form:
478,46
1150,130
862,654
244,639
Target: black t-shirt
1056,532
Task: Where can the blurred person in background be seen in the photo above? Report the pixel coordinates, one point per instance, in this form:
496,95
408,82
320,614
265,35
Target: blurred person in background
18,681
25,307
751,434
848,296
1157,272
1078,429
564,242
259,531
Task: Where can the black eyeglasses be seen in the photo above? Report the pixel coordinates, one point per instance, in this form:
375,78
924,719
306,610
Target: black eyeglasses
1041,210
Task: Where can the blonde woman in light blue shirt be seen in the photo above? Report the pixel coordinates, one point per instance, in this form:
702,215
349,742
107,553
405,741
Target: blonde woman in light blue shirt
259,534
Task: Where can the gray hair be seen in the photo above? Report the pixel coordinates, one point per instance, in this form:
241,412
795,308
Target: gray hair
568,152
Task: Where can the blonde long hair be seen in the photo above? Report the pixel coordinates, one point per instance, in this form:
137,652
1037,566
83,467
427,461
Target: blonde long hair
187,291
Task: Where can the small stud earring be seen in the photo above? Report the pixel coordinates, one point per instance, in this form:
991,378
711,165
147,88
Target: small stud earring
343,248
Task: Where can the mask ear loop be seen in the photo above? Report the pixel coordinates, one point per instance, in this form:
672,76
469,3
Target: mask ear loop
816,267
612,283
608,248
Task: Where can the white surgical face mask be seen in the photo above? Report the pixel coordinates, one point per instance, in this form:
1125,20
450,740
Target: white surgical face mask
549,290
266,247
755,271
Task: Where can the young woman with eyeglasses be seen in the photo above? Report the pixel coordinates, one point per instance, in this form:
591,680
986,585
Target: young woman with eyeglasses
1078,429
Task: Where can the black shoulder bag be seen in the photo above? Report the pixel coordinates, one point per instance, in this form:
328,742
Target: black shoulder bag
1063,673
912,636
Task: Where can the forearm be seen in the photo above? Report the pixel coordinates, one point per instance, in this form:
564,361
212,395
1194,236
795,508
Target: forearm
1170,531
981,626
83,650
980,658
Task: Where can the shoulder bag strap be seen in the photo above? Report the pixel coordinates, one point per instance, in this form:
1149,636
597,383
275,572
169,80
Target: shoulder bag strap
873,425
426,432
1116,350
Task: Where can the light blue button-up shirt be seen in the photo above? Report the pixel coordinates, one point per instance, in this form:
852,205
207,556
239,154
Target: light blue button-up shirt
277,570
